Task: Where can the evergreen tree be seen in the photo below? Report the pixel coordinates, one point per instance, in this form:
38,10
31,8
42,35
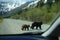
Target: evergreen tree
40,3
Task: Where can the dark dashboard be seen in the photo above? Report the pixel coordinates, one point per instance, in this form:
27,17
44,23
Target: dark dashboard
23,37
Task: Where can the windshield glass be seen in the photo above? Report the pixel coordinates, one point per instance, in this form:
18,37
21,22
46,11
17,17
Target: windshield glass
22,16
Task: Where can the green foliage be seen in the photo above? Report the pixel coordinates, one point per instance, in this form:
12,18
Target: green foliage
16,16
1,19
44,13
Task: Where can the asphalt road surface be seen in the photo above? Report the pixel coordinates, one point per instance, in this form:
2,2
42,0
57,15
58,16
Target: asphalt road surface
13,26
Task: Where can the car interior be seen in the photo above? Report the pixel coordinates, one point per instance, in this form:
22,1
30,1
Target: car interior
30,20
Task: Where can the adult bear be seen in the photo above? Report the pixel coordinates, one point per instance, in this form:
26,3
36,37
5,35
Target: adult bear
25,27
37,25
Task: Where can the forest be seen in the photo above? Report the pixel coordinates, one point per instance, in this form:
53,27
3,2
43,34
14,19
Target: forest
46,12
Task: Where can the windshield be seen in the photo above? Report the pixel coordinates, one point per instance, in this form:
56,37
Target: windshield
32,16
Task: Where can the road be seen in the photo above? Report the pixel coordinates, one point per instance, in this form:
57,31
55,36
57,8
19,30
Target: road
13,26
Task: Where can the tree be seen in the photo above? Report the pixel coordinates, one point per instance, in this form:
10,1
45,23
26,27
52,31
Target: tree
40,3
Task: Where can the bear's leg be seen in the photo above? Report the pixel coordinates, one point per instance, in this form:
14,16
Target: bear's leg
32,27
36,27
27,28
22,28
40,28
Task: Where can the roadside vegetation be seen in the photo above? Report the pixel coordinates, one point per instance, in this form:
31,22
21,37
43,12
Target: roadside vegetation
46,12
1,19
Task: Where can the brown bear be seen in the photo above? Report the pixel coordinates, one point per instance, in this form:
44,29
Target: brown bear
25,27
36,24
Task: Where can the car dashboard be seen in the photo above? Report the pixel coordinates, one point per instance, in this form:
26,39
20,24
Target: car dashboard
23,37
